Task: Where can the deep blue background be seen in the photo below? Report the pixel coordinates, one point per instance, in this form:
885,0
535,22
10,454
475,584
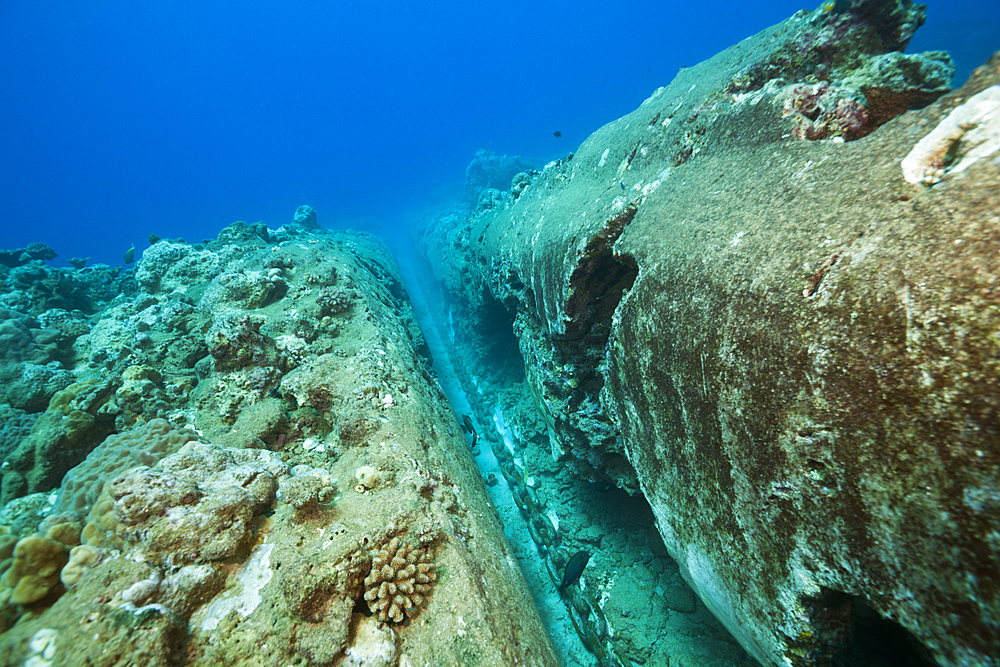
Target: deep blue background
118,119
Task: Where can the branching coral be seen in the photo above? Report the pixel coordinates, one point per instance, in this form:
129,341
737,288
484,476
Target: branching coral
400,579
333,301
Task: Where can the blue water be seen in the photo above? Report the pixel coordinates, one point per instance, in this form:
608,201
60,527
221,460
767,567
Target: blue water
119,119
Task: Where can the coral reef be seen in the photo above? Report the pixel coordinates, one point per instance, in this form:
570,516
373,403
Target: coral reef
63,435
400,580
173,267
17,424
29,286
22,339
819,111
82,559
490,170
36,387
306,488
244,290
333,301
295,355
195,506
37,561
144,445
836,74
33,251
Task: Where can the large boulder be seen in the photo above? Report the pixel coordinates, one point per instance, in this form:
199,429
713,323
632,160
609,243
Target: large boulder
794,348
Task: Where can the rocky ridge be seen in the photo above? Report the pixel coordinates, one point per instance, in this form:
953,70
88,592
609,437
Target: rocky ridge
734,301
243,428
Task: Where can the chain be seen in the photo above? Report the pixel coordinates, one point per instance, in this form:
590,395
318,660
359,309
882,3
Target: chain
586,614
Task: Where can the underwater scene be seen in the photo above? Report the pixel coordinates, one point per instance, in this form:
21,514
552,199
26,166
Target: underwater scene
537,334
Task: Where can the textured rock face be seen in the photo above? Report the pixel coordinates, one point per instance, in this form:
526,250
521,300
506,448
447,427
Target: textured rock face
249,540
793,347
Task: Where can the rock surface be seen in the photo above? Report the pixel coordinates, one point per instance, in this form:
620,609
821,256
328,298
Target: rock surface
248,381
786,346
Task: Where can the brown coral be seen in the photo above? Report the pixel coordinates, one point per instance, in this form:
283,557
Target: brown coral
400,579
34,571
333,301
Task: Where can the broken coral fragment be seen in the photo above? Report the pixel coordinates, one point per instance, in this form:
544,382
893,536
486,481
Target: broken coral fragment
970,132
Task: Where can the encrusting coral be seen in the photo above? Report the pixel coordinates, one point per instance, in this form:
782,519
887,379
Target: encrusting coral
400,579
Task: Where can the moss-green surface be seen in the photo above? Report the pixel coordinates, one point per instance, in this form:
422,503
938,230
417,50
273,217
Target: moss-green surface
804,373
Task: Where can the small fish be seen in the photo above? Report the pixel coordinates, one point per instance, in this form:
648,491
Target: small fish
557,134
65,286
130,255
622,183
574,568
470,428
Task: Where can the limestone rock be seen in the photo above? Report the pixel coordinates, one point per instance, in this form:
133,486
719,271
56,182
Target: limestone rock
793,347
201,562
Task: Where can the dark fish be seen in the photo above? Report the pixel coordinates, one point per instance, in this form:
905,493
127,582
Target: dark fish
574,568
65,286
470,428
130,255
557,134
467,425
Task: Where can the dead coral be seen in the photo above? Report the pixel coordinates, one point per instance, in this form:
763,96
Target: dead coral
400,579
822,111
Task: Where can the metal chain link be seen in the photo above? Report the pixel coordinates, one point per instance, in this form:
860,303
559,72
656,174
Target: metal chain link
592,626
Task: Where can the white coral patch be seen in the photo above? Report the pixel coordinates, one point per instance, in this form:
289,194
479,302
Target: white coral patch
970,132
43,648
245,595
373,646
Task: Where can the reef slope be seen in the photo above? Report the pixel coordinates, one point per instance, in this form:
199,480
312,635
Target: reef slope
286,483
